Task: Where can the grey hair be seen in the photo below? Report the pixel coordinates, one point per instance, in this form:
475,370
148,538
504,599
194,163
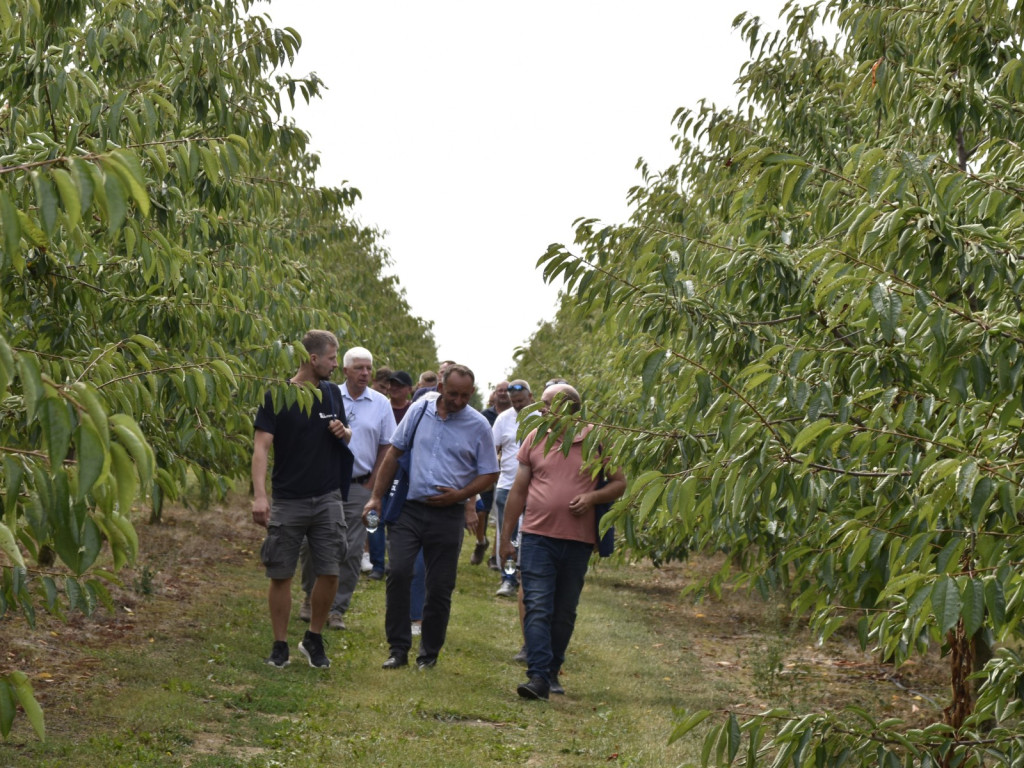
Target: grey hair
362,353
568,392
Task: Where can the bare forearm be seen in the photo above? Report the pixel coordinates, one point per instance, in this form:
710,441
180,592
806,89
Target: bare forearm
386,469
480,484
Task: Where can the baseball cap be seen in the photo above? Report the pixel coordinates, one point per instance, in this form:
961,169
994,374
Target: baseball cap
402,378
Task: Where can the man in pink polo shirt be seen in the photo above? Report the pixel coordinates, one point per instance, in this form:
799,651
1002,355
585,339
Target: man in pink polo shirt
558,537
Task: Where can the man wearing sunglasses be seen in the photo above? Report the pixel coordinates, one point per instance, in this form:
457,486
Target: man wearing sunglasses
506,442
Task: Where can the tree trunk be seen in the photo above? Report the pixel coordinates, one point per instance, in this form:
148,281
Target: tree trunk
961,664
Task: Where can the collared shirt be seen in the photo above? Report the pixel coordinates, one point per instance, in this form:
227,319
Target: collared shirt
506,442
448,452
372,422
555,480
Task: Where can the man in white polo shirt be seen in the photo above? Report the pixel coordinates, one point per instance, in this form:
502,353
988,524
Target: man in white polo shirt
506,442
372,423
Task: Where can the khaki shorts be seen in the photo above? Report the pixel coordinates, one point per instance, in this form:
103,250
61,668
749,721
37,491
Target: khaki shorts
320,519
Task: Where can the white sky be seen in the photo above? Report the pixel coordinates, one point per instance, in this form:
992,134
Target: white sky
478,132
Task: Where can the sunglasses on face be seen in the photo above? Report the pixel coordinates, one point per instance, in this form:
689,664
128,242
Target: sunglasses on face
518,388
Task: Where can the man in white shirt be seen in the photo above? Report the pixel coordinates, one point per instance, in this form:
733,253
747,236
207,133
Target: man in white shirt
506,442
372,423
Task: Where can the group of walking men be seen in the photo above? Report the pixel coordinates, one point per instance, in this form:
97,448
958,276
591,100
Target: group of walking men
334,464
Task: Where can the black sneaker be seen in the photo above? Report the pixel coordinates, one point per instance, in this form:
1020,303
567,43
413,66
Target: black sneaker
312,647
521,656
279,655
535,688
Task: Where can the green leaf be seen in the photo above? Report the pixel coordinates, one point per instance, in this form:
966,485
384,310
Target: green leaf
973,605
651,497
46,202
127,167
68,195
93,459
126,477
735,737
31,231
995,603
808,433
117,205
31,383
88,398
23,691
9,546
688,724
12,228
8,706
130,436
945,603
967,476
14,471
56,424
652,364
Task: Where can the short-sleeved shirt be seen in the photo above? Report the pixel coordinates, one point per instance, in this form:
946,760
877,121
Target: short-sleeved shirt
448,452
308,459
372,422
555,480
505,431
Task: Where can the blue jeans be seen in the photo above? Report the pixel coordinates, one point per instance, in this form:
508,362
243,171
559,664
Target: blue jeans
500,499
553,571
378,543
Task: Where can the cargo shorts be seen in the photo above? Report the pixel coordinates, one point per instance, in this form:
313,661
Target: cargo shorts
320,519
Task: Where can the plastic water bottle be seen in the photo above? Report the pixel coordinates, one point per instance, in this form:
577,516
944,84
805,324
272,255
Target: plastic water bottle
372,521
510,566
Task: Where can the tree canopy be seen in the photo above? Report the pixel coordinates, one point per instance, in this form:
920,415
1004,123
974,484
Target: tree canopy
163,246
805,349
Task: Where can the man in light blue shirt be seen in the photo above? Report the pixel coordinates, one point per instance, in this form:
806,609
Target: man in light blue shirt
453,459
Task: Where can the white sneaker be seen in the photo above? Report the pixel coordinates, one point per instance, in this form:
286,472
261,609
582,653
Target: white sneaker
366,566
507,589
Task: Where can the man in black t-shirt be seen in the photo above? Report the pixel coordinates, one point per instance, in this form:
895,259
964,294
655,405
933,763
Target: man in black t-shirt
312,470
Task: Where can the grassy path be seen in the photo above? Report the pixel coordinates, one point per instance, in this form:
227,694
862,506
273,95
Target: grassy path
177,677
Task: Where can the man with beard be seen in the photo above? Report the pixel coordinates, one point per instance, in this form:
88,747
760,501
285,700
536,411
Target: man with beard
312,469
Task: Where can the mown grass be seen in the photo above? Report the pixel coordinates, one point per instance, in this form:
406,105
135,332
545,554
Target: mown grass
187,685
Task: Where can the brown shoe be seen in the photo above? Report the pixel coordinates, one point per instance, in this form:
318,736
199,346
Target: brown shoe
335,620
479,551
306,611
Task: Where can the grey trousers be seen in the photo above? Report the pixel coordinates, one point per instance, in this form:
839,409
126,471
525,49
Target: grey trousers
348,568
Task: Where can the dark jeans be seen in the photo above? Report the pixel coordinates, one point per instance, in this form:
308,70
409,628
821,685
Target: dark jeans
552,571
418,591
438,531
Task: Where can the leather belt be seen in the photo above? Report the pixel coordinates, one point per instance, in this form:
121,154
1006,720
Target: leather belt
361,479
